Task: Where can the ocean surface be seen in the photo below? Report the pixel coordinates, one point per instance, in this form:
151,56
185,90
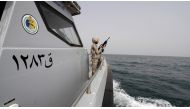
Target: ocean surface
150,80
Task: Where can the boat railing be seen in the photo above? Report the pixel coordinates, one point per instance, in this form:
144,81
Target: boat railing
88,83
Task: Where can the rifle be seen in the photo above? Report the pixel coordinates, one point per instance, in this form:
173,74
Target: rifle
103,44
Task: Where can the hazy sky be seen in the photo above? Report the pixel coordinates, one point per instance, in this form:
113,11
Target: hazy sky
139,28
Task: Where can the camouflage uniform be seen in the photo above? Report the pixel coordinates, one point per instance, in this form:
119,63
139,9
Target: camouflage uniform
95,56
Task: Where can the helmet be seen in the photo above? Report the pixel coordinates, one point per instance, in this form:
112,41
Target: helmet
95,39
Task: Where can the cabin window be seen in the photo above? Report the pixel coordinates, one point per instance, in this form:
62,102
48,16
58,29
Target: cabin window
59,25
2,7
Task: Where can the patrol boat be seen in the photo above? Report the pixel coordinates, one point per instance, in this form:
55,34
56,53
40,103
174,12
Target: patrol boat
43,61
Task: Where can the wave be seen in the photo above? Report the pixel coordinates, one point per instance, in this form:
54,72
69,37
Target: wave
122,99
136,62
159,65
184,65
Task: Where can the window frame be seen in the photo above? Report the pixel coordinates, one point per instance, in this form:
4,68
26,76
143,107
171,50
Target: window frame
2,9
38,3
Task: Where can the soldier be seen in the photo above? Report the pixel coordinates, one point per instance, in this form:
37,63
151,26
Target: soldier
95,54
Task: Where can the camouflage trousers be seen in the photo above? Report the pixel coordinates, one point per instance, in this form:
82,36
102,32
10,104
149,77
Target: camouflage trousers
94,66
94,69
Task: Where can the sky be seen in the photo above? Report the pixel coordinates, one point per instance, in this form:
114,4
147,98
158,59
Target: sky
136,28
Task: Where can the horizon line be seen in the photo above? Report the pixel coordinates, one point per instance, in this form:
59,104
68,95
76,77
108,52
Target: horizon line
146,55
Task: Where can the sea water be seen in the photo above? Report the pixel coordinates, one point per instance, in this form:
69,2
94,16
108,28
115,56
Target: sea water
150,80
